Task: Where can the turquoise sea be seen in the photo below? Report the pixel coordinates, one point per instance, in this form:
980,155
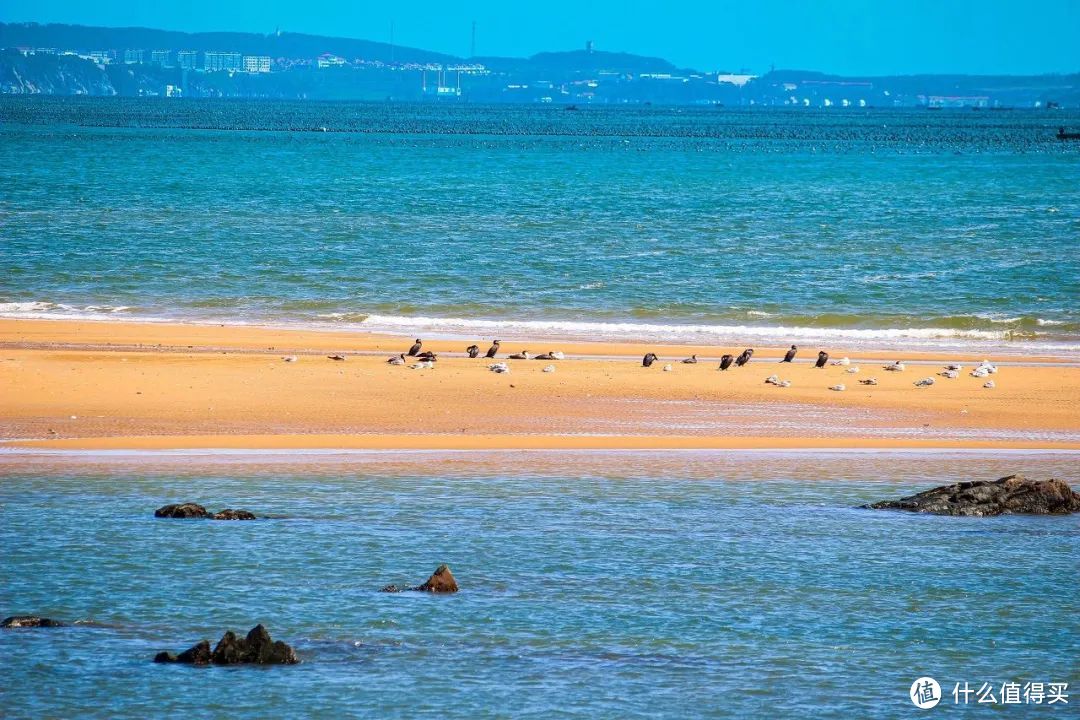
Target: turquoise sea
594,585
893,228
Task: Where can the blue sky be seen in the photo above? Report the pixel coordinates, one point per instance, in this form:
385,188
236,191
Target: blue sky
840,36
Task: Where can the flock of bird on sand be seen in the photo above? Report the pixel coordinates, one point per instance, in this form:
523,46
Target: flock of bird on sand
426,359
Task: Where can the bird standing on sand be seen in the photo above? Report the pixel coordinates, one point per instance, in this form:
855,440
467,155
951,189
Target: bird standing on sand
472,351
725,361
415,348
690,360
493,350
648,360
744,357
790,354
397,359
822,358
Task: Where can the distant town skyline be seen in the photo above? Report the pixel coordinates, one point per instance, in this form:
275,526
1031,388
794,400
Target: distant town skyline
835,36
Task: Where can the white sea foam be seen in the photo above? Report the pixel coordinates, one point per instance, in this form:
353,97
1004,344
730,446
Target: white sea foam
39,309
703,334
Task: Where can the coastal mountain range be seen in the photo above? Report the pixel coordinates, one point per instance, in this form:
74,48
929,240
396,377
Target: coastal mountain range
57,59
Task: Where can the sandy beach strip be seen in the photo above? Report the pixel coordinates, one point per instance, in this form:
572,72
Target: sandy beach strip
106,385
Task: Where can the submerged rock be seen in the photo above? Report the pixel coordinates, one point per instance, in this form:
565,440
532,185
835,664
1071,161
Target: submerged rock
182,510
29,621
257,648
230,514
186,511
441,581
1011,495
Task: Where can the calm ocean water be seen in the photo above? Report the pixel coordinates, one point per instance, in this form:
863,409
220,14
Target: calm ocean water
882,227
708,585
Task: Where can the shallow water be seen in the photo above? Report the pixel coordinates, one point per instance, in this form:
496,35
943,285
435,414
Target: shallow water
883,227
593,584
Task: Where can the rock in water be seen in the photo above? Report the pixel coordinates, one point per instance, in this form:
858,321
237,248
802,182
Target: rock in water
230,514
198,654
182,510
441,581
255,649
29,621
1011,495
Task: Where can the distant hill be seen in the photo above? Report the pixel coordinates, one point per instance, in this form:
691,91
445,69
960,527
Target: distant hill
562,64
287,45
43,59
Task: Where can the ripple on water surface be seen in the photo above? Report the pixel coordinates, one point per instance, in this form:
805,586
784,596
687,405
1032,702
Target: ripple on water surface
716,584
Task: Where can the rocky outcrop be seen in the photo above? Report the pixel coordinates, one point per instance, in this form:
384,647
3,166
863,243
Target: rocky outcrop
182,510
1011,495
257,648
29,621
230,514
441,581
187,511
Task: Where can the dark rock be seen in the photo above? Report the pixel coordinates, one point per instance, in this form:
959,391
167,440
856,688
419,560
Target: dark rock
1009,495
257,649
441,581
182,510
230,514
198,654
29,621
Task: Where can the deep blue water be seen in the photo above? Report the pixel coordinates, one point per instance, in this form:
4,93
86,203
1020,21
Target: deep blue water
877,226
595,585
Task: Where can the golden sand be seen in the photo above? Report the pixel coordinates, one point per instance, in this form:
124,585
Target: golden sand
152,385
